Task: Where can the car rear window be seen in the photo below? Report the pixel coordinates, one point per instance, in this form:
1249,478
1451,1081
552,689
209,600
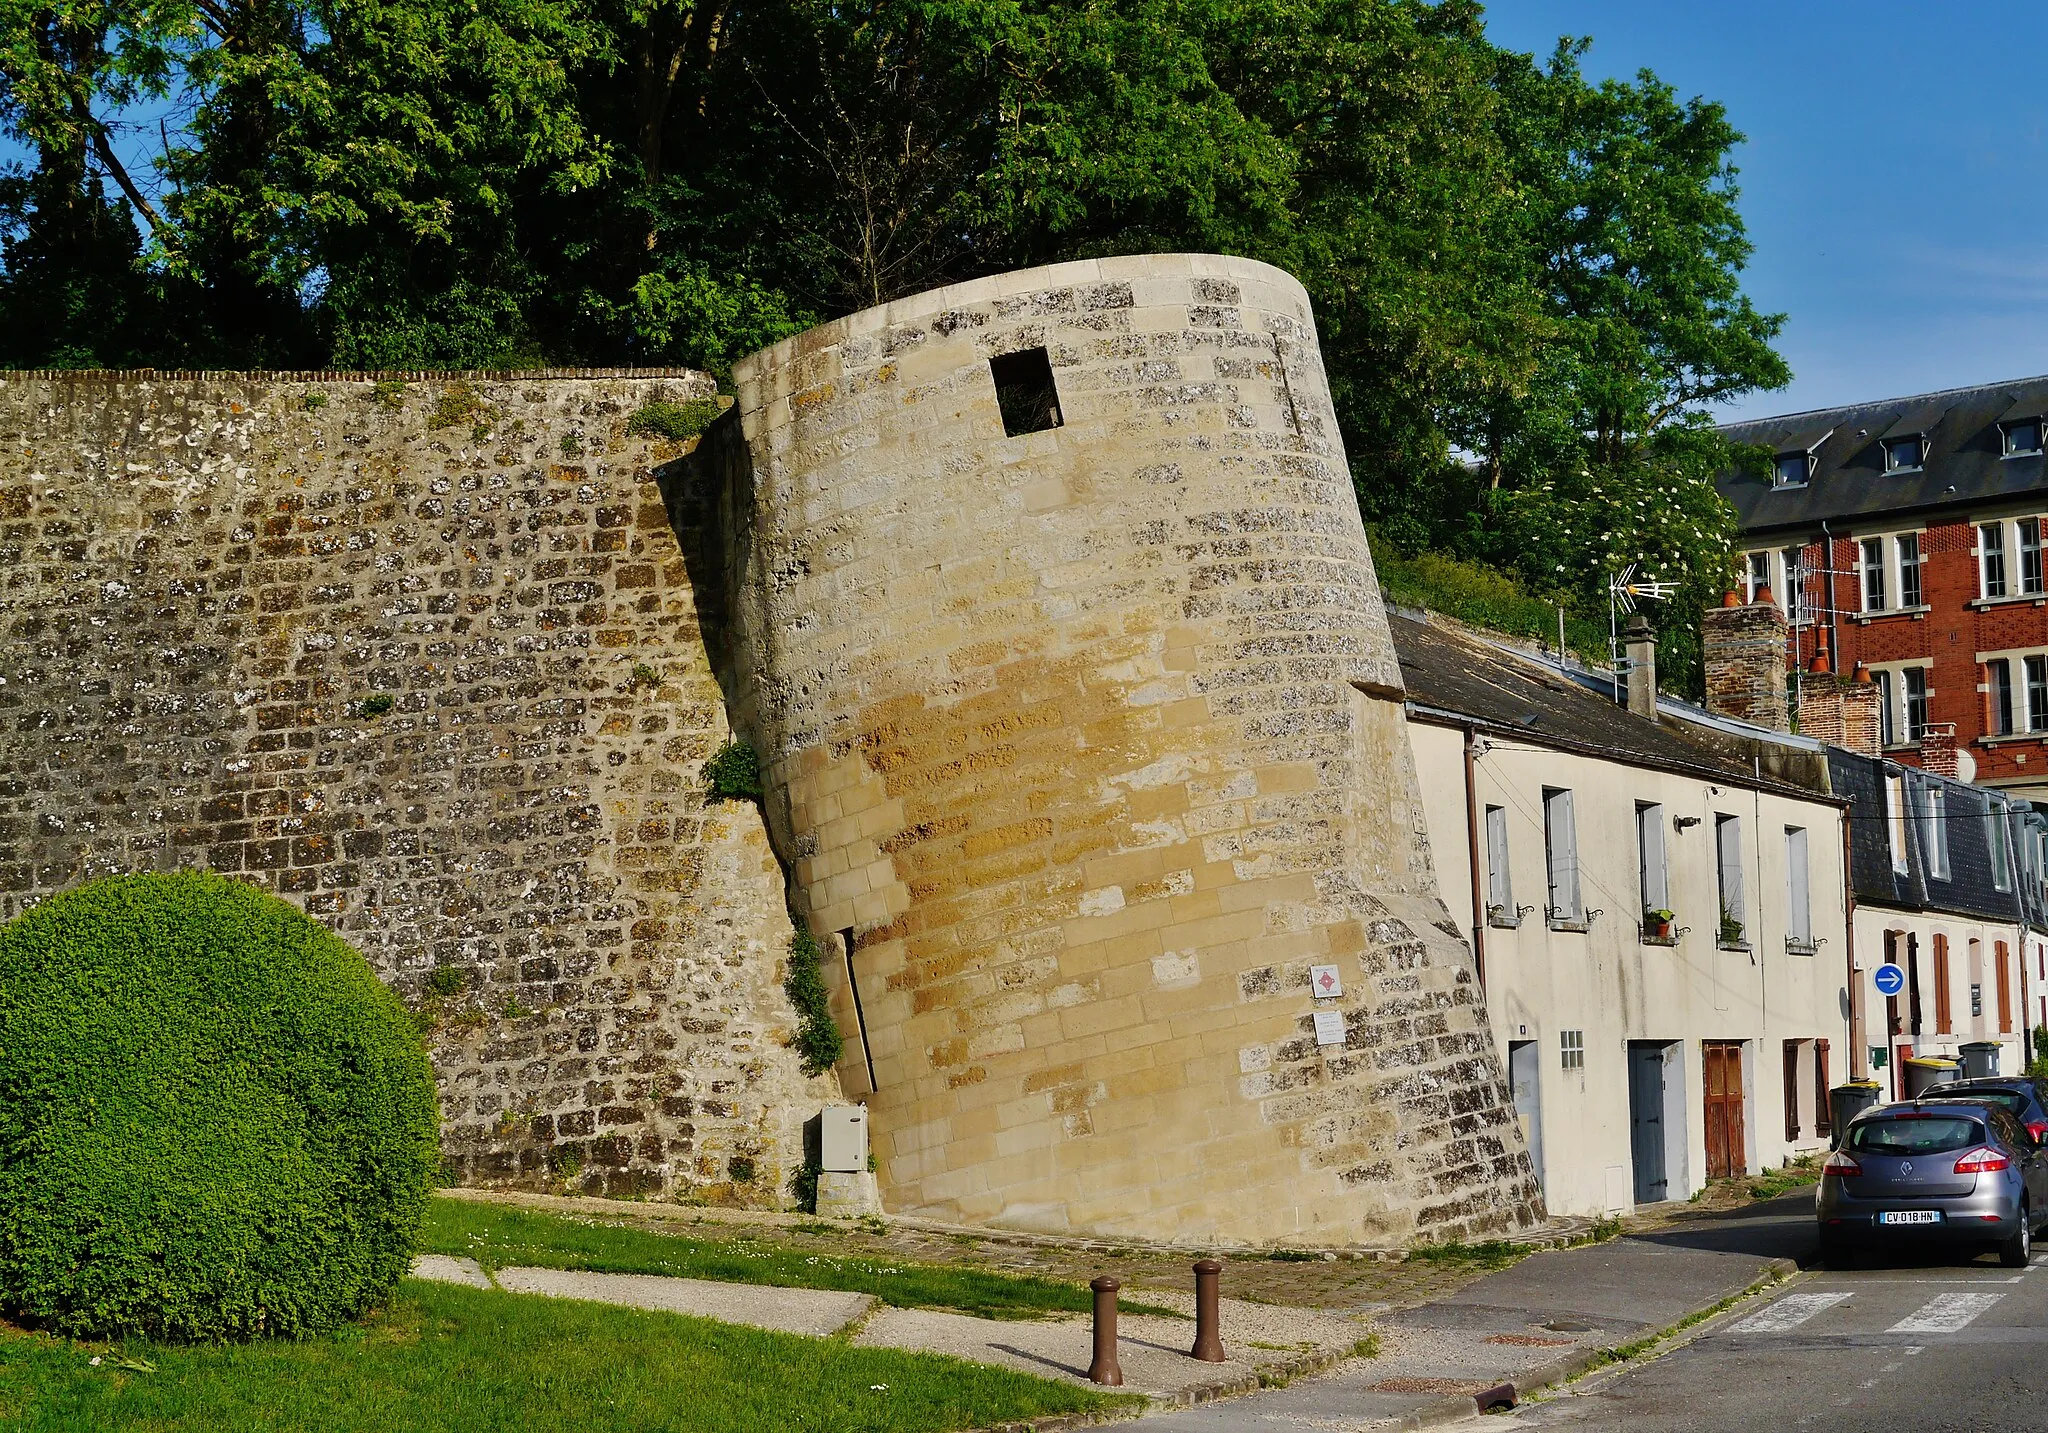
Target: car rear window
2009,1099
1914,1134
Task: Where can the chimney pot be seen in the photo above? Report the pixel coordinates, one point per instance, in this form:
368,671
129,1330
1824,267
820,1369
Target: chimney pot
1763,594
1640,646
1731,598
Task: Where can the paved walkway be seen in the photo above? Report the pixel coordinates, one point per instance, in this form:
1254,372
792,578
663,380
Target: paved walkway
1546,1317
1540,1319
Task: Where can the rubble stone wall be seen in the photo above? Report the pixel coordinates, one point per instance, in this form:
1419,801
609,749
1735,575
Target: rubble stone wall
422,654
1090,740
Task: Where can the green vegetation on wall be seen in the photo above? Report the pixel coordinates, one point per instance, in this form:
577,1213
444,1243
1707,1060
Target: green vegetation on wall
817,1037
675,421
734,771
1485,597
215,1122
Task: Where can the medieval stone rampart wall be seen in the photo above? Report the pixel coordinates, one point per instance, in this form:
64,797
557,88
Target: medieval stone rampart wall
209,587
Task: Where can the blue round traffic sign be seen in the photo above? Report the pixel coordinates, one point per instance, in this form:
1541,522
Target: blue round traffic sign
1890,979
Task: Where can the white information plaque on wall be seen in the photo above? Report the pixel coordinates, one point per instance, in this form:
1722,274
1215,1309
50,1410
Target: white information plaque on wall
1329,1027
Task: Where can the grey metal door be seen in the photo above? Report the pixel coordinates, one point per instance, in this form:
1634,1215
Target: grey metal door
1646,1119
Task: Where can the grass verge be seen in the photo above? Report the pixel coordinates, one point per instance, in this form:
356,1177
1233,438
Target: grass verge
443,1359
500,1237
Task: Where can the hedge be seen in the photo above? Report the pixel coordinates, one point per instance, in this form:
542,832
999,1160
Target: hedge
215,1122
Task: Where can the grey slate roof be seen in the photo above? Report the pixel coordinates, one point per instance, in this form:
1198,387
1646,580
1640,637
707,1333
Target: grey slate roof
1964,465
1452,671
1970,890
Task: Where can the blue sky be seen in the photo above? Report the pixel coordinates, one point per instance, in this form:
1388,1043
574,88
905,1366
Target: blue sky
1895,179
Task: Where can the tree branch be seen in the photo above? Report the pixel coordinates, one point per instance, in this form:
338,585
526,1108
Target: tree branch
112,162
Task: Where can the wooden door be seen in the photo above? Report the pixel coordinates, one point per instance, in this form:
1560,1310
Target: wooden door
1727,1155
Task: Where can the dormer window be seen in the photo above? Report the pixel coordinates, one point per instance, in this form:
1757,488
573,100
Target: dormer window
1791,470
1903,455
2022,437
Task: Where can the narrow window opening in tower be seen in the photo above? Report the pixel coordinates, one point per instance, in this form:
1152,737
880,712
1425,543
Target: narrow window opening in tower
860,1016
1025,391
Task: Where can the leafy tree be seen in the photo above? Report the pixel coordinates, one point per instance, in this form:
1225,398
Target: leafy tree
1527,285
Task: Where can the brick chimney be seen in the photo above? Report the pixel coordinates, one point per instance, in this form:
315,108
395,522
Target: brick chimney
1639,644
1745,658
1938,748
1841,711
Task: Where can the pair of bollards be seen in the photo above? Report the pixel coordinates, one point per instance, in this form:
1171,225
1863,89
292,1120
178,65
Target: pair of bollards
1208,1339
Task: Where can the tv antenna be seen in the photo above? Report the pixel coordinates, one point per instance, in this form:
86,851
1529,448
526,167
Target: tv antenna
1624,590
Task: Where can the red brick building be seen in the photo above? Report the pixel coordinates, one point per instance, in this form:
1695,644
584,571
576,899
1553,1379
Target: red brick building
1905,537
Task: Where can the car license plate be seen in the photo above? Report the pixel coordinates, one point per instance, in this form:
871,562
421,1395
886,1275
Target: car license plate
1910,1216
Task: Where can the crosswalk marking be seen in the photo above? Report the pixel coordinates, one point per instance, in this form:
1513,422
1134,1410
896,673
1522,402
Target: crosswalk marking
1945,1313
1788,1313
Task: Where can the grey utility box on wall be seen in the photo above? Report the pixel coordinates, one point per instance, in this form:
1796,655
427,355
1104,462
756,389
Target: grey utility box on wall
843,1139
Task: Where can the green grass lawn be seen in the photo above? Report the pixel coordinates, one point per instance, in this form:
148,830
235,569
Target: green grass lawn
444,1359
500,1236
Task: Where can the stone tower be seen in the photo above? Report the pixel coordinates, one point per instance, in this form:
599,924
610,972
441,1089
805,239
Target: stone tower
1052,616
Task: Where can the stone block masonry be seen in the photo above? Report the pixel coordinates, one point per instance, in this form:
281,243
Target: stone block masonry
1082,723
421,653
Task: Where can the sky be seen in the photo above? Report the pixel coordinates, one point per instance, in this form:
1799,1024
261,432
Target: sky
1894,180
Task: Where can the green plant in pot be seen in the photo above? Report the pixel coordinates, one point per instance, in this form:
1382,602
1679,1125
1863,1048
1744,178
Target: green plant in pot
1731,929
1657,923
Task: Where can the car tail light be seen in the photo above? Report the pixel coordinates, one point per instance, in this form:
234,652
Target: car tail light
1982,1160
1841,1165
2038,1129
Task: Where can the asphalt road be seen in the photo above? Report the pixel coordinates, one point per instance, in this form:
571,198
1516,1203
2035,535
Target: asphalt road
1929,1344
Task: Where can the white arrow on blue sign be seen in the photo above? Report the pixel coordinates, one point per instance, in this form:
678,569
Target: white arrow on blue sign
1889,979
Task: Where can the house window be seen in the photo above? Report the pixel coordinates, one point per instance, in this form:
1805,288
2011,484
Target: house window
1902,454
1500,886
2009,558
1652,874
1571,1045
1873,575
1728,853
1933,813
1913,681
1794,567
1998,687
2037,693
2001,846
1798,895
1991,559
1561,855
2022,437
1758,577
1791,470
1910,594
1895,820
1887,713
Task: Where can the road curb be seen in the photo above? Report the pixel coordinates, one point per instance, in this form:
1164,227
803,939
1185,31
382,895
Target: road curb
1265,1375
1456,1407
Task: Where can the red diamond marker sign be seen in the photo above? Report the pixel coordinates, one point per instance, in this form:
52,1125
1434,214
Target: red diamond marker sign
1325,982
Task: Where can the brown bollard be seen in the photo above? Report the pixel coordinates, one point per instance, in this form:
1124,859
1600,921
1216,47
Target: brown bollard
1105,1368
1208,1318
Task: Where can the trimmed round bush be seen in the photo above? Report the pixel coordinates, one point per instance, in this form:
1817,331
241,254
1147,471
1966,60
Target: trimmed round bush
215,1121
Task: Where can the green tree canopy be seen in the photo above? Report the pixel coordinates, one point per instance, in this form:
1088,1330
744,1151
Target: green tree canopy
1528,284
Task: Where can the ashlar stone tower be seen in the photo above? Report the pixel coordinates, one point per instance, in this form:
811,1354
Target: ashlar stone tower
1052,616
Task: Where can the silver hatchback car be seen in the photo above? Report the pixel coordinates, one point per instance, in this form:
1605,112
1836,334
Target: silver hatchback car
1945,1170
